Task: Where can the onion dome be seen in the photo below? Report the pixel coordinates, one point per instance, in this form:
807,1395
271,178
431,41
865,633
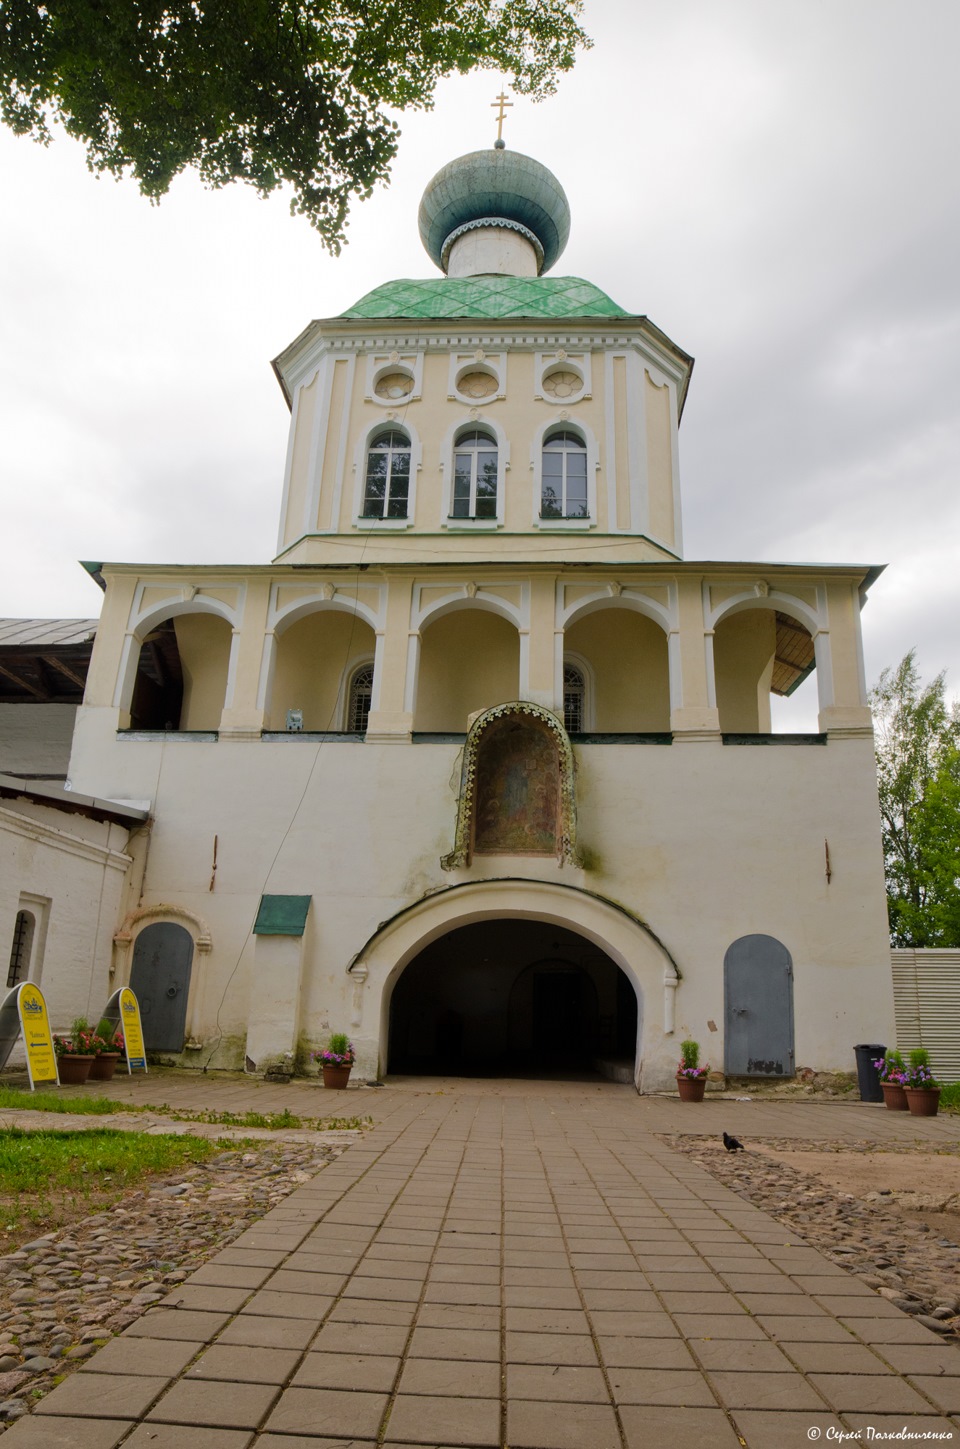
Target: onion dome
497,189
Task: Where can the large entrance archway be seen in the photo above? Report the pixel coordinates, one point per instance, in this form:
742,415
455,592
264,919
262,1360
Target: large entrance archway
513,997
588,924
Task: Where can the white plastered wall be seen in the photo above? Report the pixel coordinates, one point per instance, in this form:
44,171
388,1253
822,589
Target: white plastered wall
70,873
704,844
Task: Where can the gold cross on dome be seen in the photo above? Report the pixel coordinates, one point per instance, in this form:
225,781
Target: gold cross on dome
504,105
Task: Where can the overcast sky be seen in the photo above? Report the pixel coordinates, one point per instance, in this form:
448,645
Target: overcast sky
774,184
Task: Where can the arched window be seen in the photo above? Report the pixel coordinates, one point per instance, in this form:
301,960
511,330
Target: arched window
563,492
358,699
20,950
475,476
387,485
574,699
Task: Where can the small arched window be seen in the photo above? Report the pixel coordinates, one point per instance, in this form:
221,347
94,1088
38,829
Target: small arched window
20,950
475,476
574,698
387,485
563,492
359,698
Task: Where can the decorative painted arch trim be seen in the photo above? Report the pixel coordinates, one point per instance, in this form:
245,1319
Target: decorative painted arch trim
179,915
771,600
358,964
567,852
627,596
178,603
469,596
326,599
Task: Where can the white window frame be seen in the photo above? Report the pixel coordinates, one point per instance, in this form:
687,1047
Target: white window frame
380,363
474,525
38,908
541,438
585,668
494,364
576,362
350,679
367,442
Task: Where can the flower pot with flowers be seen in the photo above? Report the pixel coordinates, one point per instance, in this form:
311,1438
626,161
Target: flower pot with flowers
109,1045
691,1076
893,1074
75,1053
921,1087
336,1061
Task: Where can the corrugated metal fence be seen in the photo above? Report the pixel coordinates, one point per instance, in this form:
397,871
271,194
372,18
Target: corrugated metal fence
926,1001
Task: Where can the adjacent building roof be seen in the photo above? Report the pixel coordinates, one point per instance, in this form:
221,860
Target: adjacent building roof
44,661
36,632
487,297
57,795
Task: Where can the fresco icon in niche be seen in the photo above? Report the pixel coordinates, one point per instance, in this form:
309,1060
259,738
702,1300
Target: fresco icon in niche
518,791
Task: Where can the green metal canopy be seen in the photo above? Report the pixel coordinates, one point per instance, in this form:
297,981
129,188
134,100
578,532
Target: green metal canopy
282,916
487,297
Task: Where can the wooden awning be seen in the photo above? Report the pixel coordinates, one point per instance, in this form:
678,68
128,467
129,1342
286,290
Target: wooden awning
793,657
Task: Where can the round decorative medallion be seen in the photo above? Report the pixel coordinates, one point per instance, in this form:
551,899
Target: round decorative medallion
393,386
477,384
562,384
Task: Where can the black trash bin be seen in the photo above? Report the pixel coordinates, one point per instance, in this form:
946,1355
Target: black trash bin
868,1077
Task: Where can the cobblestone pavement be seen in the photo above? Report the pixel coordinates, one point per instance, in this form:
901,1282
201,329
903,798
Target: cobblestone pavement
523,1264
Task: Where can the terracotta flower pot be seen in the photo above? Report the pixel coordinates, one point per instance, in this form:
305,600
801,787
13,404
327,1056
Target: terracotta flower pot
73,1070
923,1101
691,1089
894,1096
336,1077
104,1066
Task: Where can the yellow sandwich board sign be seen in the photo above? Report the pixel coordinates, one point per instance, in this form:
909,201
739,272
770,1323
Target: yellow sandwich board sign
24,1009
35,1023
123,1011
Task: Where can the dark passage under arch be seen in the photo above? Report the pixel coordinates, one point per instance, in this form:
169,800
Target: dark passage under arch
512,998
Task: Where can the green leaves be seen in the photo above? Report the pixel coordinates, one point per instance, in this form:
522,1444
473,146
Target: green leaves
268,92
918,772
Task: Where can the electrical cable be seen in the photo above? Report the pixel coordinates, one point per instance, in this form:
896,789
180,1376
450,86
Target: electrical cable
307,784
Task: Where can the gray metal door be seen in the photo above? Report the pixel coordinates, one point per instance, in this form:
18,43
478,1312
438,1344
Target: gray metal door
758,1008
160,980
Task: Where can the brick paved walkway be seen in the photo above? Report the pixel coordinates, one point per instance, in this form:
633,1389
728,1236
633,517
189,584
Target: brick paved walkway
523,1266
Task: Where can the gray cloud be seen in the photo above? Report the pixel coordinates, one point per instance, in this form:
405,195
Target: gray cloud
775,185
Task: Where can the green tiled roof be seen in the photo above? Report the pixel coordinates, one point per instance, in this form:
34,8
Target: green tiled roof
486,297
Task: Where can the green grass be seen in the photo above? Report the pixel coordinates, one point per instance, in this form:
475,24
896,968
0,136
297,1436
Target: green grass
20,1098
950,1096
36,1161
48,1178
273,1120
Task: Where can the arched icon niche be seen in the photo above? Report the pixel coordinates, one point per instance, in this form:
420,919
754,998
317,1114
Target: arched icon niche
517,791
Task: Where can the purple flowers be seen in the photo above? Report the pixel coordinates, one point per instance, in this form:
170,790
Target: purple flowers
339,1053
689,1064
892,1068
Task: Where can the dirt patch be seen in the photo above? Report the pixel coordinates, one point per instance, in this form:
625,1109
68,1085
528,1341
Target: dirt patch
921,1181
